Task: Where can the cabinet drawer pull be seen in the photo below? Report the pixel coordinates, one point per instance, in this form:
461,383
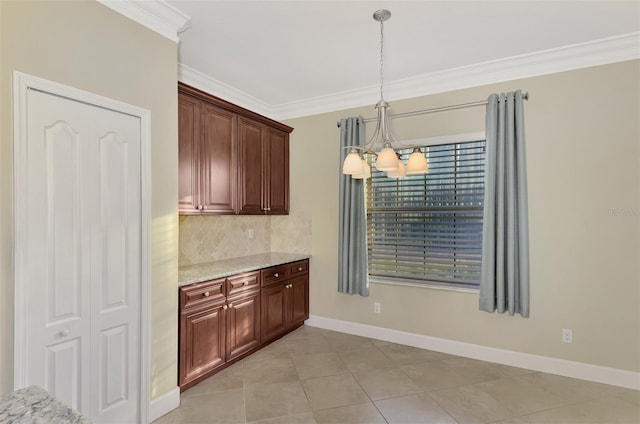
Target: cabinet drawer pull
299,268
276,275
64,333
206,294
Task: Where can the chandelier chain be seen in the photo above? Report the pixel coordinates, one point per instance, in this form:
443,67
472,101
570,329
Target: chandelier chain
381,59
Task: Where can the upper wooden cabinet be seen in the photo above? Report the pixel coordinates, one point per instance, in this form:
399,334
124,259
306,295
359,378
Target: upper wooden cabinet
231,160
264,169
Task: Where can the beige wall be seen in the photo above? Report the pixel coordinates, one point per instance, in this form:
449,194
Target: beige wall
88,46
583,158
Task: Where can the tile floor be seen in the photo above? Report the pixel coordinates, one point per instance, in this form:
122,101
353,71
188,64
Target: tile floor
319,376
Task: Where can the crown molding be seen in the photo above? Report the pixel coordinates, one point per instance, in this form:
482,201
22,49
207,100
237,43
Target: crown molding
567,58
157,15
584,55
210,85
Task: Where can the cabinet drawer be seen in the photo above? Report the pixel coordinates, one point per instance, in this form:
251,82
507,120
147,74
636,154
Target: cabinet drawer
243,282
201,293
300,267
274,274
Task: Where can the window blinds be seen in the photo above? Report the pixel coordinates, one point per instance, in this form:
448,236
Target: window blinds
428,227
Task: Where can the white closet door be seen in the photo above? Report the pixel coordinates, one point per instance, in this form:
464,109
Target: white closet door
83,256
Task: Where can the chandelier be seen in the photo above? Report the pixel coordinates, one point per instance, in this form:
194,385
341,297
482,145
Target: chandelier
388,158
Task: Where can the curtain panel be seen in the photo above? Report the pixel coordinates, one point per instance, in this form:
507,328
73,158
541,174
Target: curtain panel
504,281
353,268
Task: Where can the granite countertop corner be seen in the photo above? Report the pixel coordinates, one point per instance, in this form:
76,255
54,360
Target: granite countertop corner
34,405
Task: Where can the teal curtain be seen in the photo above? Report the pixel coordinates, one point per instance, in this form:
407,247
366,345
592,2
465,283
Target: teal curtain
504,282
353,267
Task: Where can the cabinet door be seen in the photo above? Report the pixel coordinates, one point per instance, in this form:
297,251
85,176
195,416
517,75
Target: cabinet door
202,341
297,300
218,159
188,145
252,167
277,181
243,324
274,312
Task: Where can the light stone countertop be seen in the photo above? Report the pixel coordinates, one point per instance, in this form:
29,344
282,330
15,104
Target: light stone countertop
34,405
223,268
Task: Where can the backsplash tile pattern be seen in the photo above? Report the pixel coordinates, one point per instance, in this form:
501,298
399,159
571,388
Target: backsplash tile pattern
291,233
210,238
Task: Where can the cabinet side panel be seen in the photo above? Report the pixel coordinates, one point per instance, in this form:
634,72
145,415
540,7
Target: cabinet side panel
188,140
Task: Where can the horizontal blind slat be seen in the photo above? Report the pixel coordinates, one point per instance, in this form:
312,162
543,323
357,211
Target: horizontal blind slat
429,227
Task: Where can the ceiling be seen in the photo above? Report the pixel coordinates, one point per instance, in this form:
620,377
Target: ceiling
282,56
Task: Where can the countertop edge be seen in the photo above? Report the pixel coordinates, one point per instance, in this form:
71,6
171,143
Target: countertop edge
226,267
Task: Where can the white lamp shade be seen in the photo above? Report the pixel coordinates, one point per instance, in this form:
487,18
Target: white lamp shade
387,160
365,172
352,164
417,163
399,172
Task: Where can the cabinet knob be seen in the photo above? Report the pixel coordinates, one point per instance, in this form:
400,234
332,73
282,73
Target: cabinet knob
299,268
276,275
206,294
64,333
246,283
224,308
231,305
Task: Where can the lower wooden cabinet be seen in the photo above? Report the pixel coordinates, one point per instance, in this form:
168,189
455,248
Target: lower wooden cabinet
202,341
285,306
224,320
243,324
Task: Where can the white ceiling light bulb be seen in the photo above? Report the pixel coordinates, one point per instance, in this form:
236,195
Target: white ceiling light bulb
352,163
417,163
399,172
387,159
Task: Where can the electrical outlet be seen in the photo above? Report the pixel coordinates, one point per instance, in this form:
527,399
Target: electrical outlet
376,307
250,233
567,335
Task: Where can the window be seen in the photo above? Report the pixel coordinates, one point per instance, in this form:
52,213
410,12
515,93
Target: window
427,228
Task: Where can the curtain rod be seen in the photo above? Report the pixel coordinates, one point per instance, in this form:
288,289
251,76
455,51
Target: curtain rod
525,96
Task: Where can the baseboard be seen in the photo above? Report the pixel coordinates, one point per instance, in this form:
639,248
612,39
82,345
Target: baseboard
580,370
164,404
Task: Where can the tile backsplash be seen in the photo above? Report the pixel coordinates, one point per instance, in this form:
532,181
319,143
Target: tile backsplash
210,238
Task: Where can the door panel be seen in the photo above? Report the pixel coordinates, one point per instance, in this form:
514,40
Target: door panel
274,318
298,300
243,324
252,167
219,161
278,181
83,214
189,136
203,347
63,373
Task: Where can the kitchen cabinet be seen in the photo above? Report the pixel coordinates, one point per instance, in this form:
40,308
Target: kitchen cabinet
207,155
231,160
219,321
202,329
285,298
264,169
226,319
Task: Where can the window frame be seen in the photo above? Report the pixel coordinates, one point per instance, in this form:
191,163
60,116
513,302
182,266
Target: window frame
429,284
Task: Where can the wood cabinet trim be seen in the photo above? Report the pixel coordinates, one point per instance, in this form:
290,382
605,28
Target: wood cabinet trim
192,91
